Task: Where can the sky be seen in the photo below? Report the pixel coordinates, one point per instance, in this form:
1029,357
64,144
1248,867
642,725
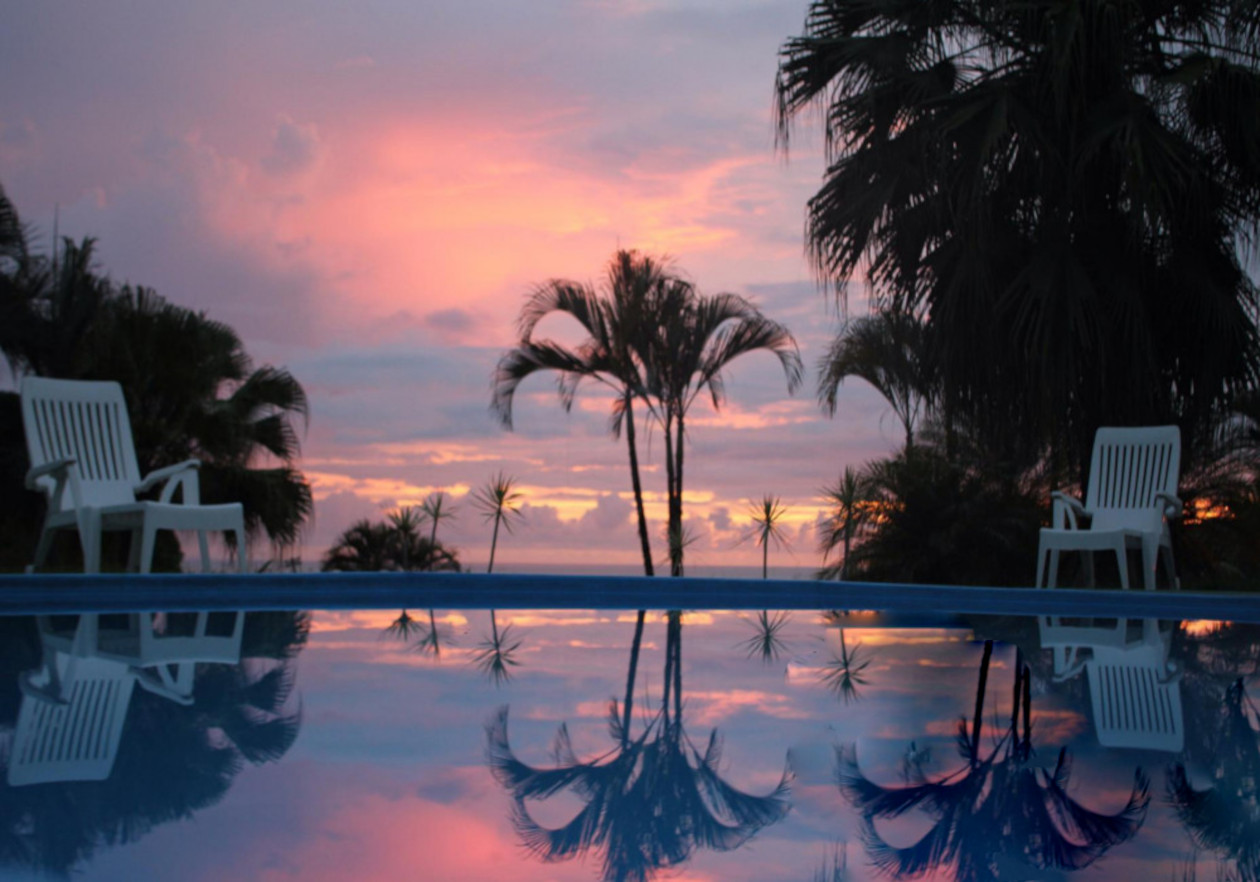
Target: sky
367,192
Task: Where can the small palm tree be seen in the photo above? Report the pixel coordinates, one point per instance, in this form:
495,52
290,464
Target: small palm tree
851,511
436,509
767,517
406,523
498,501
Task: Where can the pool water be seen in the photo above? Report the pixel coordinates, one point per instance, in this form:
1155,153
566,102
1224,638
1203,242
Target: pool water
480,744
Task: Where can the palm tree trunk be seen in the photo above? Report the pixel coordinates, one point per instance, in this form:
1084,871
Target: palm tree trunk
494,541
637,484
765,555
675,447
673,527
626,708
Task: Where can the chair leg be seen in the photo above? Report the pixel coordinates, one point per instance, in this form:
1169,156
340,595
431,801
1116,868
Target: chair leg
1041,566
41,550
204,547
1150,562
1122,561
1052,580
90,540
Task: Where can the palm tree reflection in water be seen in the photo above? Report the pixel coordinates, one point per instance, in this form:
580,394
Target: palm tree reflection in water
1225,818
998,815
650,801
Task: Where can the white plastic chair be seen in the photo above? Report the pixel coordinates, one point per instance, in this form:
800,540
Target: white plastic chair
83,458
1132,494
166,663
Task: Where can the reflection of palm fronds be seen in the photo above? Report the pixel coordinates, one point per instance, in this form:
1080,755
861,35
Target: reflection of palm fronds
843,674
1222,818
403,627
495,657
766,643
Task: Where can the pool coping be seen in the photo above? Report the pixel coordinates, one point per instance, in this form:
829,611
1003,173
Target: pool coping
67,593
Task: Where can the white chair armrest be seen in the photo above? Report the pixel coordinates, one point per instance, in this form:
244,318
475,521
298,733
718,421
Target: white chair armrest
182,474
65,472
159,683
157,476
1066,510
1172,505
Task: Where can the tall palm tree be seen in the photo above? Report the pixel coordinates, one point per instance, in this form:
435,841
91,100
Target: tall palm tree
697,339
617,319
499,502
650,801
1043,182
885,349
998,809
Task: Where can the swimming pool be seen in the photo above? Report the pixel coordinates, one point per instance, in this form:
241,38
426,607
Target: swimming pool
935,738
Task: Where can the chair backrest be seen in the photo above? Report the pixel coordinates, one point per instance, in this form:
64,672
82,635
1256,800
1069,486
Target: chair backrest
1127,469
86,421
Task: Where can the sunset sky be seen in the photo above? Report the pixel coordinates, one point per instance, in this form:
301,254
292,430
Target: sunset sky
367,191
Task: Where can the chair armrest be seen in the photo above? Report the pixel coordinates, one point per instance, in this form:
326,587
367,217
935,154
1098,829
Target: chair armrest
1172,504
57,468
159,683
157,476
65,472
1068,509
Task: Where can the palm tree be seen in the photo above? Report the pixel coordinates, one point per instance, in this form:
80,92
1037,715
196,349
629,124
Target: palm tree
851,510
617,320
698,337
998,809
767,517
650,801
364,546
1042,182
886,350
497,501
436,509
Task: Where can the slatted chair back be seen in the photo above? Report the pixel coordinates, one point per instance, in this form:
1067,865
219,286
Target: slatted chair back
1136,700
86,422
76,738
1128,468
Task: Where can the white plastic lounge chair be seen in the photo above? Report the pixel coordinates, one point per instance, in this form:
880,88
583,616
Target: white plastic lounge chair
1132,494
83,458
1074,641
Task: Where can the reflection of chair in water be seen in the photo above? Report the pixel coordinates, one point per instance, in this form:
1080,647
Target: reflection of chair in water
1131,495
164,657
71,717
1135,691
72,712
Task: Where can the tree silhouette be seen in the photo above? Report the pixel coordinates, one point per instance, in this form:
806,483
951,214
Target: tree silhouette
1043,182
650,801
998,812
498,501
767,517
618,319
851,511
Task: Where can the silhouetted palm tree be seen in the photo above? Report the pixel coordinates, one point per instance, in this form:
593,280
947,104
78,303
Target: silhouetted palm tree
767,516
376,546
1043,182
997,810
498,501
885,349
618,320
851,510
697,339
650,801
